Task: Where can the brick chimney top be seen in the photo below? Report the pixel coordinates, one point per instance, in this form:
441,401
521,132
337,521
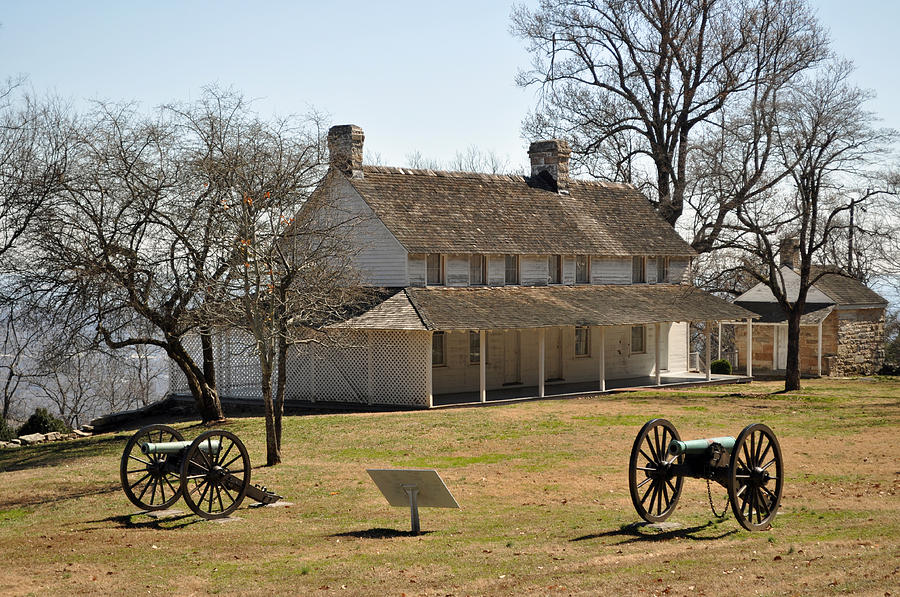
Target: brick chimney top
551,157
345,146
788,248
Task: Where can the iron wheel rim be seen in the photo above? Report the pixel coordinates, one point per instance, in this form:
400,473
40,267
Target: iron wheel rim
142,474
755,477
659,482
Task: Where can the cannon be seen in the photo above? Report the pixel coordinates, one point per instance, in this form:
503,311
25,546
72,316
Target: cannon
748,466
212,472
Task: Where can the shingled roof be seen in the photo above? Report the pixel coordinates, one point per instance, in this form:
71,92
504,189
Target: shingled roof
518,307
833,288
845,290
458,212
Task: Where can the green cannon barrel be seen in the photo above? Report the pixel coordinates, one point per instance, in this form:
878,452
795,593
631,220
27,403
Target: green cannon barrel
698,446
210,447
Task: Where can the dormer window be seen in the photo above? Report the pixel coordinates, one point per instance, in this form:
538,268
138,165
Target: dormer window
477,267
554,267
582,269
512,269
638,270
435,270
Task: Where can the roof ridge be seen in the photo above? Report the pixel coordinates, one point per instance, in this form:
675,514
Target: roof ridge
483,176
442,173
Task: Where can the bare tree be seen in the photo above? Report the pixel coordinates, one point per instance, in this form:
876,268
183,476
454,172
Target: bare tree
130,237
33,154
293,272
829,145
630,82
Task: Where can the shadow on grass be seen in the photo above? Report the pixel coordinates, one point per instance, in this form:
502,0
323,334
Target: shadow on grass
53,453
637,534
61,496
379,534
127,521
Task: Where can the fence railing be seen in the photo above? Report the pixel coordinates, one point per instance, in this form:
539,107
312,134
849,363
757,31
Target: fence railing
696,362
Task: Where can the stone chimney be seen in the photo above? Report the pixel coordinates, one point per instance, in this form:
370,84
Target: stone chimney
345,146
551,157
788,249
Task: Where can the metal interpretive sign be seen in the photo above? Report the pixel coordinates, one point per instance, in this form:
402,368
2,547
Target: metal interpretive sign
413,488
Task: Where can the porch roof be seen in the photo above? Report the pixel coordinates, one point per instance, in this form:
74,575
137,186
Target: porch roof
513,307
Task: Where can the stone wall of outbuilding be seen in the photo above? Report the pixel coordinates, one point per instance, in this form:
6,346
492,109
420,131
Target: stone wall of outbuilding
860,343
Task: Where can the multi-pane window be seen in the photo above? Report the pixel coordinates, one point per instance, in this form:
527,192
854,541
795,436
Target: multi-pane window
554,266
638,339
474,348
434,269
582,341
638,271
438,349
512,269
476,269
662,269
582,269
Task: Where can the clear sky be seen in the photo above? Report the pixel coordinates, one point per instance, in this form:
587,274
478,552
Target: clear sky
436,77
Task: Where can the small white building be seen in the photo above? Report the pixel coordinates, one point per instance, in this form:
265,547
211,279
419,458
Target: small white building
496,287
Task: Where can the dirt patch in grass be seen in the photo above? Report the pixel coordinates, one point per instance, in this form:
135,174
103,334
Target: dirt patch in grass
544,496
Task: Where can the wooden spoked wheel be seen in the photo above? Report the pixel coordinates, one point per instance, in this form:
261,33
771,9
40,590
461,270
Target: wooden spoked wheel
150,480
755,477
215,474
655,488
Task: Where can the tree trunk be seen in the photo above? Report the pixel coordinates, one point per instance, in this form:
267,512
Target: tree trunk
206,398
209,359
280,388
792,372
273,450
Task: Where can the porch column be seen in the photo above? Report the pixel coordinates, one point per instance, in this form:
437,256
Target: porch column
719,337
749,347
774,346
482,368
819,351
429,385
708,332
370,359
541,335
687,347
602,365
656,353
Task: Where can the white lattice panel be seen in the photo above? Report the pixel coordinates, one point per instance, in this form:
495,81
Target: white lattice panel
400,367
377,367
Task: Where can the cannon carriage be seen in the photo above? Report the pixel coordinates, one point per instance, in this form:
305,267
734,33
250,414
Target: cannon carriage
749,467
211,473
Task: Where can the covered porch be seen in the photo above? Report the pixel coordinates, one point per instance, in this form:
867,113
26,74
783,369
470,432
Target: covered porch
560,390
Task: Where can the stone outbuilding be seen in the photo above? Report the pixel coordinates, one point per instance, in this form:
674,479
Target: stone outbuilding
841,329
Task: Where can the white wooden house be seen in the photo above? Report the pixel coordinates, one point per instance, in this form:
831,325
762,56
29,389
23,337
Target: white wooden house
496,286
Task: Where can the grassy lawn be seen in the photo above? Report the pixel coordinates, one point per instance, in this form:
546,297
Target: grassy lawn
544,495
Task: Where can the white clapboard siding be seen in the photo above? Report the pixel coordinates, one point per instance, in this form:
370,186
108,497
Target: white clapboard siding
377,255
678,269
417,269
496,270
610,270
456,270
568,273
533,270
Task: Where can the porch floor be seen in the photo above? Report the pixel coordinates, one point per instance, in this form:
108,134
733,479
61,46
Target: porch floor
668,380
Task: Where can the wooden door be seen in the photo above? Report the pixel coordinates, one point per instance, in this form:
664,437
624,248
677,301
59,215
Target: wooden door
553,354
781,342
511,360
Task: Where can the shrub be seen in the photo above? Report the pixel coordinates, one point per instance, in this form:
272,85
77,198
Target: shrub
6,432
43,422
720,367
